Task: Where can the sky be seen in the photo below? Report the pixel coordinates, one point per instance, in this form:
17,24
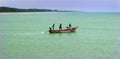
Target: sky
75,5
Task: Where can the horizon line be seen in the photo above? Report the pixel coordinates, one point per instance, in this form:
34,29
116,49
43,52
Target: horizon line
65,9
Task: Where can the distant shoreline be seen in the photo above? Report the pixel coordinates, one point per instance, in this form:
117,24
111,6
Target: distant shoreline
11,9
4,10
25,12
54,12
37,12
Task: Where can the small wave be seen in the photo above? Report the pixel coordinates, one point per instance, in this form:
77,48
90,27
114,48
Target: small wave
33,33
42,33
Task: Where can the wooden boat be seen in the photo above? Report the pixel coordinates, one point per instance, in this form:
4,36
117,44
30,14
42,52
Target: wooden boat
66,30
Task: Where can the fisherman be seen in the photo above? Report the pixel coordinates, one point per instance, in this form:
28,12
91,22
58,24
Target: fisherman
53,26
60,27
70,25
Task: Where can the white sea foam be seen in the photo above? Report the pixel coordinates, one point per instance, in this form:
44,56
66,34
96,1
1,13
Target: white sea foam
30,33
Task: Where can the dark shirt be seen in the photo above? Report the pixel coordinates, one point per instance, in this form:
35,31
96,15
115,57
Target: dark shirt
60,27
53,25
69,25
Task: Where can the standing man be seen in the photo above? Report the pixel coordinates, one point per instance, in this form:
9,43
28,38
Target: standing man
70,25
60,27
53,26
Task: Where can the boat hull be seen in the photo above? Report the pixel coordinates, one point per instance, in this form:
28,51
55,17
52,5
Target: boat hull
67,30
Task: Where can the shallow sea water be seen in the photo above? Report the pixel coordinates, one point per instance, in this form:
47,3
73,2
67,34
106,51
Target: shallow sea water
26,36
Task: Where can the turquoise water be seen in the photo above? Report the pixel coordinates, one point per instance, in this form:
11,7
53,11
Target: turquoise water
26,36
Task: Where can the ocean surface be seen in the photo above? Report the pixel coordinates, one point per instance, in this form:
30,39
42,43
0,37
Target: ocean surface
26,36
